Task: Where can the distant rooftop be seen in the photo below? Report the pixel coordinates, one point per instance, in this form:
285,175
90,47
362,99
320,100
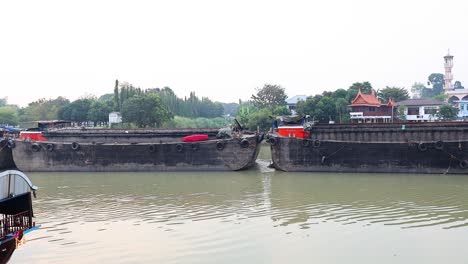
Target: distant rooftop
420,102
295,99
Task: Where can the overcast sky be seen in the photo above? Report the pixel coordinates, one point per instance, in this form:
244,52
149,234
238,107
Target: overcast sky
225,49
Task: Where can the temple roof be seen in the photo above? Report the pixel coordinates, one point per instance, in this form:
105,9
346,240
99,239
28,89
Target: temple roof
366,99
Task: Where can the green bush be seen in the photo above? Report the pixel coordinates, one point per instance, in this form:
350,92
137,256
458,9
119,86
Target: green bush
201,122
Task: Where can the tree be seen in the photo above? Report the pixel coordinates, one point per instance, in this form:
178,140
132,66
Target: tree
401,112
270,96
458,85
99,112
77,110
340,93
447,112
209,109
44,109
3,101
330,106
417,89
398,94
116,96
308,106
342,110
281,110
244,111
230,108
8,116
326,110
107,97
365,87
441,97
145,110
261,118
437,82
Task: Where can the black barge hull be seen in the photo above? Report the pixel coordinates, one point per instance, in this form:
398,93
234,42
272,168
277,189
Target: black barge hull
396,148
7,247
212,155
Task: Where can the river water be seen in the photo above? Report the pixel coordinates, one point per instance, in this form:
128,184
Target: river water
254,216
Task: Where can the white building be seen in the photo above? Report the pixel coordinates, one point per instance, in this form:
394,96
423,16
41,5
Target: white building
421,110
115,118
292,102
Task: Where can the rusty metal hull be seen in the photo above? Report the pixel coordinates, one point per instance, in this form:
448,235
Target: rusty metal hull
211,155
409,148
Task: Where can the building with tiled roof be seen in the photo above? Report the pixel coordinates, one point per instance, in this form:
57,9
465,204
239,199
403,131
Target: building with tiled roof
366,108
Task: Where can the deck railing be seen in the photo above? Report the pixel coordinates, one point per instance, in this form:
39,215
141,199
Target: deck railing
10,224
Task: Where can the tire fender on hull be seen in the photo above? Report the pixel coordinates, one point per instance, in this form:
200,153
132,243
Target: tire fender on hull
244,143
463,164
50,147
75,146
35,147
272,141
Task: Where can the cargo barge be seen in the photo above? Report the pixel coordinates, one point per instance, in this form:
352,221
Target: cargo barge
136,150
433,147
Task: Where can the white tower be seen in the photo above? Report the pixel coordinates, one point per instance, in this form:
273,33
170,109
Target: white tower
448,64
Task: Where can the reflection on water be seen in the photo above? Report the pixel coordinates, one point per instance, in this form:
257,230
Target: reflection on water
232,217
404,200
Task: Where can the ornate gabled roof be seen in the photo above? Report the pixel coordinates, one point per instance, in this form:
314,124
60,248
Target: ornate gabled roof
366,99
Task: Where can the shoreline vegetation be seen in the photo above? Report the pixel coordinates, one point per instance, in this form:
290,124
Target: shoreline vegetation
162,108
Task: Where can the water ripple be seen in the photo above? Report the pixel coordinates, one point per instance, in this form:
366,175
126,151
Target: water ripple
176,201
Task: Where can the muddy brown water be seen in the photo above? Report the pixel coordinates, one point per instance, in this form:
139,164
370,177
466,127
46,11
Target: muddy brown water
254,216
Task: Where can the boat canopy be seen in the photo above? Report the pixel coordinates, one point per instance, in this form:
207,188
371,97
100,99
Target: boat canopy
13,183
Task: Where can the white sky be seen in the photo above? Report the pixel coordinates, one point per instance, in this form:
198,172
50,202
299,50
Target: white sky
225,49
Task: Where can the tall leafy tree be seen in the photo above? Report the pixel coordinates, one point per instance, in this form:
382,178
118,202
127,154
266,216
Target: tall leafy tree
106,98
8,115
458,85
3,101
329,106
270,96
397,93
77,110
437,82
116,96
210,109
342,110
365,87
44,109
262,118
145,111
99,112
417,89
